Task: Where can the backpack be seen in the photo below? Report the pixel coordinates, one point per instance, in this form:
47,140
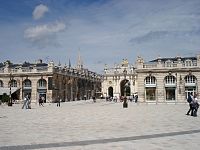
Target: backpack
189,99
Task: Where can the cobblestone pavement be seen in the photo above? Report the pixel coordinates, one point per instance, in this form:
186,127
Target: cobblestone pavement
84,125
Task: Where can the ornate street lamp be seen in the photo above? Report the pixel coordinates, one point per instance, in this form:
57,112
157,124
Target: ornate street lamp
10,99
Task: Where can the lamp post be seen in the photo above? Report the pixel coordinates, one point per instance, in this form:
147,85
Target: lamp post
10,99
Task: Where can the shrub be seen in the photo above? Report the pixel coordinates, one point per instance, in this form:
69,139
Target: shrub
5,98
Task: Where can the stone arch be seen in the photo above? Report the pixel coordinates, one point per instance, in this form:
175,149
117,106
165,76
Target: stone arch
125,88
1,83
13,83
27,87
42,89
190,85
170,87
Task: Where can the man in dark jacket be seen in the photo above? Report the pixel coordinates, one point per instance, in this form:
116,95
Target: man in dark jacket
190,101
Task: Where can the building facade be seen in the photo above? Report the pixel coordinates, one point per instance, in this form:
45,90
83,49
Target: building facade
163,80
48,80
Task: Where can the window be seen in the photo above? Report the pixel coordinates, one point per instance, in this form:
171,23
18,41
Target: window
168,63
190,79
150,80
13,83
188,63
170,79
27,83
42,83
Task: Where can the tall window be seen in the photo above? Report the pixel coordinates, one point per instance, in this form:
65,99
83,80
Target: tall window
170,79
190,79
150,80
27,83
42,83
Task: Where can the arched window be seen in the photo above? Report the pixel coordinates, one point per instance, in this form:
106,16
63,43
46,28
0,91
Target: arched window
1,83
170,79
13,83
190,79
42,83
27,83
150,80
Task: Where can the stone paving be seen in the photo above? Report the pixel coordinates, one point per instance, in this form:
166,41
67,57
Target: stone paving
84,125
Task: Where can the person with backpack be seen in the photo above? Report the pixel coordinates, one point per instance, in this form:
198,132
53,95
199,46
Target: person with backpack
190,100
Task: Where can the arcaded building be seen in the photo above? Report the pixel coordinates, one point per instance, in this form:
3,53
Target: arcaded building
48,80
163,80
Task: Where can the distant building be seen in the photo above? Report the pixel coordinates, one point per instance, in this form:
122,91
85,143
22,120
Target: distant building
47,80
163,80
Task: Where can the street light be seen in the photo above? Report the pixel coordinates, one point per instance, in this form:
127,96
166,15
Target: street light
10,99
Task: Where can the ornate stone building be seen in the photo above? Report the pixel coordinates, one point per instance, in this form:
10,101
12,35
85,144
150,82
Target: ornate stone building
163,80
48,80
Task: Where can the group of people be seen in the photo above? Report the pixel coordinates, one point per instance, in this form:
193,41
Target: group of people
193,104
133,98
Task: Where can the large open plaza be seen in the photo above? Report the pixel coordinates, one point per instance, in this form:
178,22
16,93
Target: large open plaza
85,125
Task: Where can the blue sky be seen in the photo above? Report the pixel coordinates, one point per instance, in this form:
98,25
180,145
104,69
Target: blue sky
104,31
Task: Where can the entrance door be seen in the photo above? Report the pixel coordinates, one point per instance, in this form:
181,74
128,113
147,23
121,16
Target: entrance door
110,91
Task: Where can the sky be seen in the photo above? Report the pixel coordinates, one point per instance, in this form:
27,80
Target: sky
101,31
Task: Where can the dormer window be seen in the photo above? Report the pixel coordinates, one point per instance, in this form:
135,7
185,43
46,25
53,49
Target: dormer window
188,63
168,63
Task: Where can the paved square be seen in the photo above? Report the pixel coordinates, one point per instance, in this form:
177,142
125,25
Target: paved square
84,125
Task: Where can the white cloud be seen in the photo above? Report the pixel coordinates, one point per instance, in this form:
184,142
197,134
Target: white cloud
39,11
44,34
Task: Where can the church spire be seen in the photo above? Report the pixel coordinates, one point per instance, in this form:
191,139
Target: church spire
79,61
69,64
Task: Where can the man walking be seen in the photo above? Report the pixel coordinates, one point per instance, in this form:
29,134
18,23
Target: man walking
190,100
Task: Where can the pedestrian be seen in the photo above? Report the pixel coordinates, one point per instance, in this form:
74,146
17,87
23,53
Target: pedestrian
40,101
94,99
25,103
125,103
190,100
28,102
195,106
85,97
58,101
136,98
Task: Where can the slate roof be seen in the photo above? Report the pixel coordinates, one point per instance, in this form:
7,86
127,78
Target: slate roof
173,59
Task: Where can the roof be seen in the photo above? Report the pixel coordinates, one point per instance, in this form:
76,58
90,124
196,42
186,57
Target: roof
173,59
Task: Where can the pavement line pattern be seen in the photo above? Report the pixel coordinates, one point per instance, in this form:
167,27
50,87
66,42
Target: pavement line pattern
98,141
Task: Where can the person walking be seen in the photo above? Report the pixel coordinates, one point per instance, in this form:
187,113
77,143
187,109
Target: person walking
136,98
58,101
40,101
28,102
190,100
25,103
125,103
195,106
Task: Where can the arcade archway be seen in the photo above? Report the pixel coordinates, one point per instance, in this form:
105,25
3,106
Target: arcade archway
125,88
